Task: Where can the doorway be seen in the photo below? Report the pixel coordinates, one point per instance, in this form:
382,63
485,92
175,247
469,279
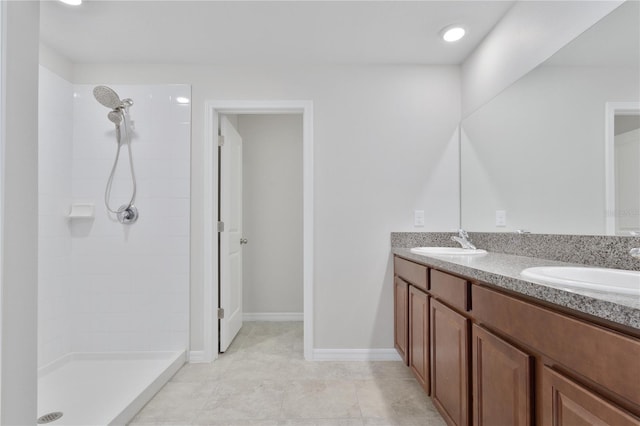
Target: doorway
214,111
622,168
261,208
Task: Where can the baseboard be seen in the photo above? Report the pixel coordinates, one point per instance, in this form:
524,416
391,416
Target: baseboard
196,357
273,316
356,355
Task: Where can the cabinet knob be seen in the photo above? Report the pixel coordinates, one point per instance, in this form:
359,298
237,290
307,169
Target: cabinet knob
243,241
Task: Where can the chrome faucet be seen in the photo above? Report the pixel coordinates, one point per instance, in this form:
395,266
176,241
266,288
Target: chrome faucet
463,240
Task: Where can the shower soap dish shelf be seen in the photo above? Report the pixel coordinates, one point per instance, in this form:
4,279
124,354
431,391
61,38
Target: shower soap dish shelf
82,211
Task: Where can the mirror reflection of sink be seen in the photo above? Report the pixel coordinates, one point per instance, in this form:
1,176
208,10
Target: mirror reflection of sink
598,279
447,251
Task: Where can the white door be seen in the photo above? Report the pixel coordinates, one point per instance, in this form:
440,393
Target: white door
230,247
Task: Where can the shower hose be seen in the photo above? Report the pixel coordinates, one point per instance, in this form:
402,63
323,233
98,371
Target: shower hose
121,141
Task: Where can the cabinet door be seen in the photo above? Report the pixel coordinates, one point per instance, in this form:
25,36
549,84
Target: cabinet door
450,363
501,381
419,336
401,316
566,403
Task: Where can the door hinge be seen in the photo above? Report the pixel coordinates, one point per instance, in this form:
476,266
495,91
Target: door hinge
220,140
220,226
220,313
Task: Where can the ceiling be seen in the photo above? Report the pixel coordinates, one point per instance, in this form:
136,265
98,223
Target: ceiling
612,41
265,32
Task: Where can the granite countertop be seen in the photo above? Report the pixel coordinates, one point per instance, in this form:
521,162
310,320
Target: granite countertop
503,270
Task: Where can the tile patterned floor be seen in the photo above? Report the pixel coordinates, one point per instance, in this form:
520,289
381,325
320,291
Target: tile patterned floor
263,380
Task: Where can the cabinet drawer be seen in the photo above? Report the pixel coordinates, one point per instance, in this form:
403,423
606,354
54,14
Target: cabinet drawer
612,359
452,290
411,272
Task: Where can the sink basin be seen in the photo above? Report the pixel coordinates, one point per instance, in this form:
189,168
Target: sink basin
598,279
447,251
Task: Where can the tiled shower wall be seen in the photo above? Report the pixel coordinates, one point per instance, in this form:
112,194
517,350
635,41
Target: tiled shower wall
55,127
127,286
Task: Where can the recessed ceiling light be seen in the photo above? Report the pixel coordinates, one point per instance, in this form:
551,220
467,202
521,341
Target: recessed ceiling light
72,2
452,34
182,100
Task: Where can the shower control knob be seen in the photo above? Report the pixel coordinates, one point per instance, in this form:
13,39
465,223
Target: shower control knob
127,214
243,241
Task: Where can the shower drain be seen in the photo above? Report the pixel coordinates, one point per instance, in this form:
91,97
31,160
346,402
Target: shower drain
49,417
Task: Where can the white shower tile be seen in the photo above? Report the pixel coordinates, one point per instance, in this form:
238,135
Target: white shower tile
88,188
57,244
167,188
91,168
162,168
170,207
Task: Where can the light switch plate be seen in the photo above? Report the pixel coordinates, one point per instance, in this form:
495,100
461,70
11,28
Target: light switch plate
501,218
418,218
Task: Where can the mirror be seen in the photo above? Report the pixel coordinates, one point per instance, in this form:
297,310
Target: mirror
559,150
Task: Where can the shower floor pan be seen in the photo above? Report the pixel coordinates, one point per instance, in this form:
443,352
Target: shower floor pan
103,388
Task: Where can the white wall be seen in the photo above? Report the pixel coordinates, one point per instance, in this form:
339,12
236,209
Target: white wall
20,26
55,133
272,213
382,149
527,35
56,63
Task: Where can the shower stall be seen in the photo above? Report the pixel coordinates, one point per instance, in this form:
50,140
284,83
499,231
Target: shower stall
113,286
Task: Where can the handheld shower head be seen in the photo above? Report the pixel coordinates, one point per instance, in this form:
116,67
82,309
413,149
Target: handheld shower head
107,97
115,117
119,116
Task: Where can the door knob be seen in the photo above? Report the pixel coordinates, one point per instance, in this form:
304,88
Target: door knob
243,241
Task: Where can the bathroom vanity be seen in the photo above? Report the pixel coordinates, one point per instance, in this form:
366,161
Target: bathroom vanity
492,349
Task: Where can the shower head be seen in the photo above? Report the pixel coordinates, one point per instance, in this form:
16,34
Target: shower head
107,97
115,117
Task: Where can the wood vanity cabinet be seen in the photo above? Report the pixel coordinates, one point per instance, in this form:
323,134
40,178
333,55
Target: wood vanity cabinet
401,316
500,359
419,336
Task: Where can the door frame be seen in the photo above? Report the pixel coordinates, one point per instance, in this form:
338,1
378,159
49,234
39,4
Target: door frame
213,108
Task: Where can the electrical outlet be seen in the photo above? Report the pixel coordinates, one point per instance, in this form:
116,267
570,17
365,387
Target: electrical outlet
501,218
418,218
